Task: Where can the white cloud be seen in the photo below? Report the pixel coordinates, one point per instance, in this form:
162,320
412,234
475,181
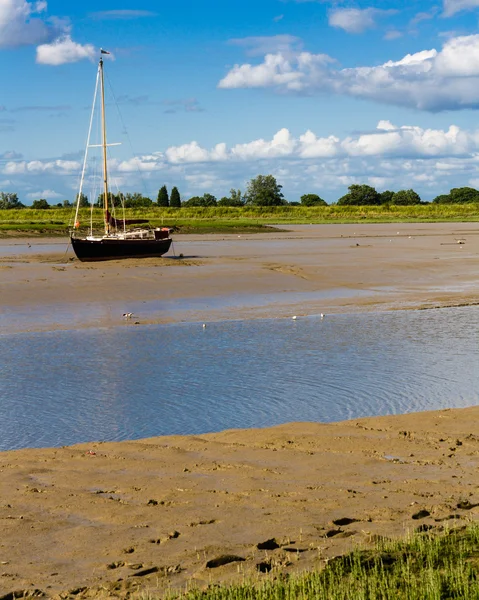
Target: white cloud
205,182
258,45
431,160
20,25
122,14
356,20
282,144
392,34
428,80
25,23
60,167
386,140
278,71
46,194
64,50
451,7
193,153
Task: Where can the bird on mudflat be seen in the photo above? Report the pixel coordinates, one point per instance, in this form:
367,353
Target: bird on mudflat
127,315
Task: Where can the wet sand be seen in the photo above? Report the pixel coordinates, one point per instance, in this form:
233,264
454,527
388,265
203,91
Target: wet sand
306,270
112,518
164,513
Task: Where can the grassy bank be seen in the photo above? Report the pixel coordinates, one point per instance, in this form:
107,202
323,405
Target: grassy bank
223,219
426,567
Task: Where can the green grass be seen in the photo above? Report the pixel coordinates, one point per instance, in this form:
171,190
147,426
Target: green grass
425,567
246,219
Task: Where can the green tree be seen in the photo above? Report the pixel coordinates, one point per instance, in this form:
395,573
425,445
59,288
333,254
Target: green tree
163,199
234,199
264,190
136,200
442,199
209,200
386,197
458,196
175,198
312,200
9,200
193,202
205,200
464,195
40,204
360,195
66,204
84,203
406,198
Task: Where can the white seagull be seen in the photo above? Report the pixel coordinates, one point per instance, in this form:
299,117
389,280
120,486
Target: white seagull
127,315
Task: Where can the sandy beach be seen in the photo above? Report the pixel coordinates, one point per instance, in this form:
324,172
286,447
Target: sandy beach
167,512
305,270
112,519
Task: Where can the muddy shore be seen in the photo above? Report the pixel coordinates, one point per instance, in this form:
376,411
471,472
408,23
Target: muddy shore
110,519
164,513
306,270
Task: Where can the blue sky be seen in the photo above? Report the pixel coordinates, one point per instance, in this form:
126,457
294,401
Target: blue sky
321,94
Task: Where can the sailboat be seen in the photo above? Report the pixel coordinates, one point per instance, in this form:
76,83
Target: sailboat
119,239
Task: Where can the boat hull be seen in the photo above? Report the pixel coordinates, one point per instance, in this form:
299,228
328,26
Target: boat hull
115,249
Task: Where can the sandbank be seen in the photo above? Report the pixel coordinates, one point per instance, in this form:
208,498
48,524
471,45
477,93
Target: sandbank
156,514
306,270
150,515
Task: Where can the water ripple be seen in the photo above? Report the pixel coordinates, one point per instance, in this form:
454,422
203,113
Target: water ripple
64,387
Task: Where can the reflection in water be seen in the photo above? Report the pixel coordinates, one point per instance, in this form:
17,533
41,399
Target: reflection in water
64,387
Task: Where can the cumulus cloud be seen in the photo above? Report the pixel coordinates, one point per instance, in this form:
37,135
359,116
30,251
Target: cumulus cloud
194,153
64,50
356,20
431,80
258,45
451,7
58,167
121,14
25,23
20,24
11,155
386,140
430,160
46,194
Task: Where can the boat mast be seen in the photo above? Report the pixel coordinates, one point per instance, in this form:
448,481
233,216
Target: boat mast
104,144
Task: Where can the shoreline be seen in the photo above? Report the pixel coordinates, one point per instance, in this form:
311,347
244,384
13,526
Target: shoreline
310,269
114,518
149,515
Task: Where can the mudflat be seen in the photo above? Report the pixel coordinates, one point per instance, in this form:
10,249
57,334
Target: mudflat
306,270
114,518
111,519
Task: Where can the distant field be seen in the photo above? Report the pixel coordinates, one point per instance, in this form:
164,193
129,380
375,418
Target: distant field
56,221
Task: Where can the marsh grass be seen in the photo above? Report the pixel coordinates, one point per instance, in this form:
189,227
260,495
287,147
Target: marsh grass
224,219
427,566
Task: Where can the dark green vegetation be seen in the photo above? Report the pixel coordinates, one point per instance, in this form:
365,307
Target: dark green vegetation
426,567
262,204
241,219
261,191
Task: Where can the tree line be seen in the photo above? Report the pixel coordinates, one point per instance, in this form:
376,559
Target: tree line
262,190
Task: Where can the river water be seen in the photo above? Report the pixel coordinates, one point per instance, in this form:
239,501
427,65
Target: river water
63,387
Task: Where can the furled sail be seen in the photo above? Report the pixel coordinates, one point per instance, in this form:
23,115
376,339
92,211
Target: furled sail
119,223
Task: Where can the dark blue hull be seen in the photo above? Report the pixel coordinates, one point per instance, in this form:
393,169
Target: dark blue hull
114,249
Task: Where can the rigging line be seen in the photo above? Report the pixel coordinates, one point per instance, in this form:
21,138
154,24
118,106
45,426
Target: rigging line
128,136
80,191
